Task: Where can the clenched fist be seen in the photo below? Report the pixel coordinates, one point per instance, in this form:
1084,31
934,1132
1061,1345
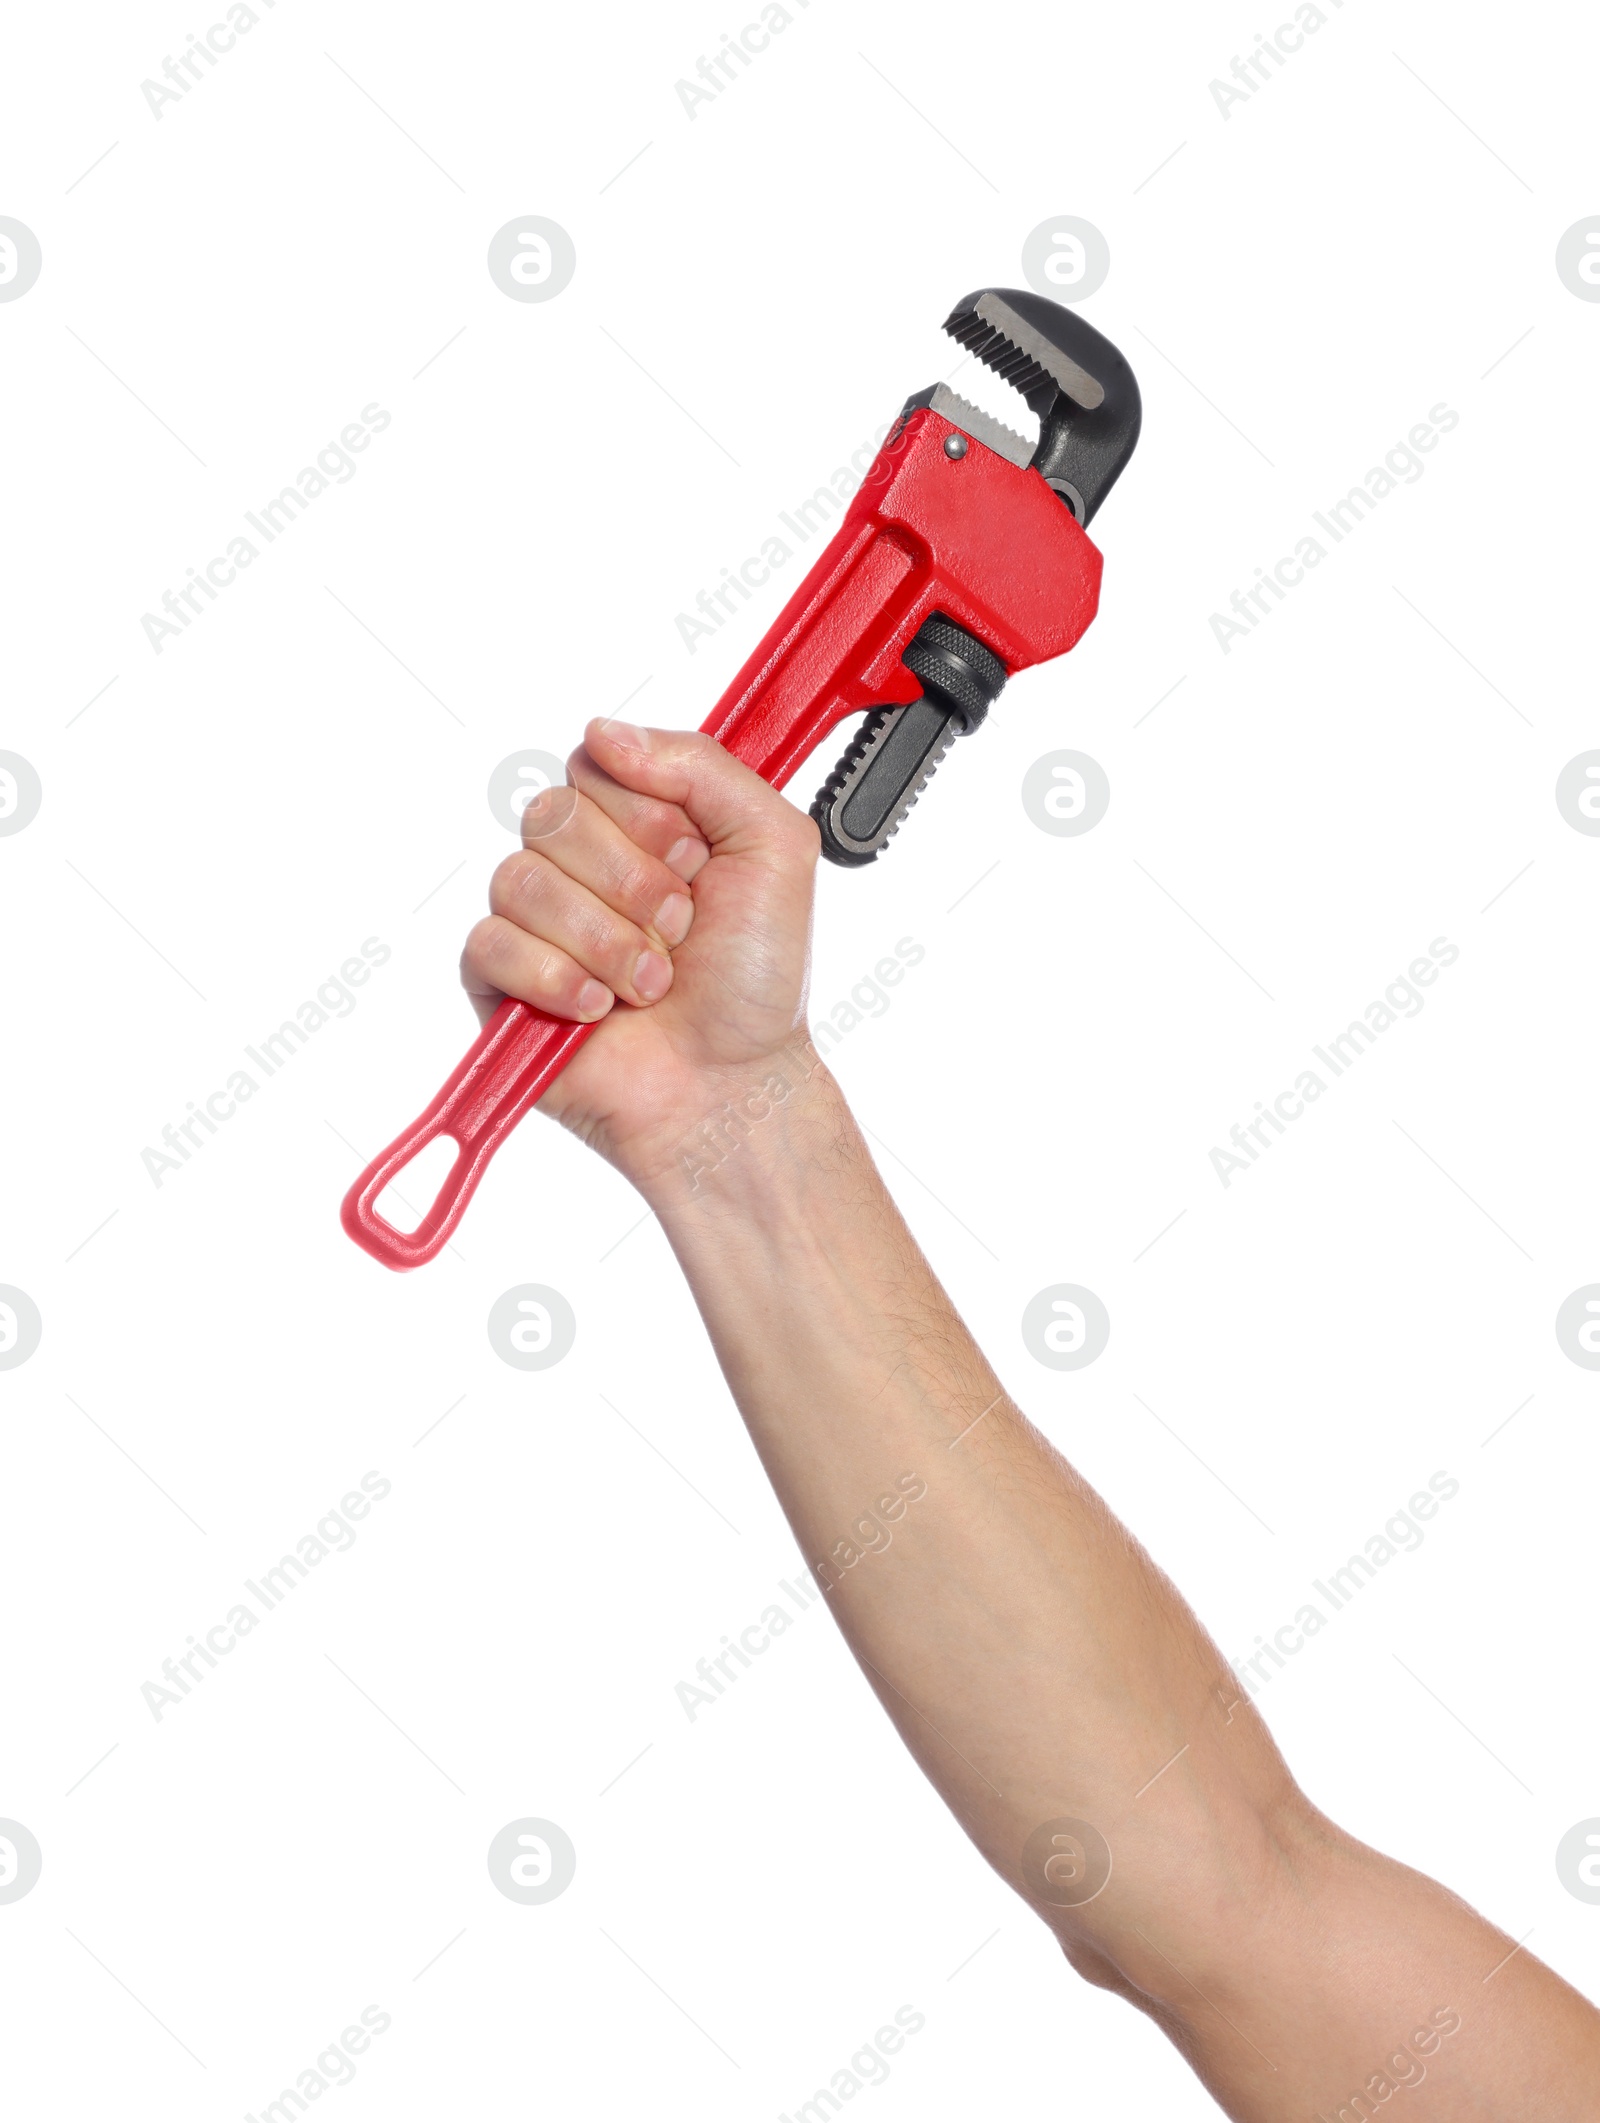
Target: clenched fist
667,890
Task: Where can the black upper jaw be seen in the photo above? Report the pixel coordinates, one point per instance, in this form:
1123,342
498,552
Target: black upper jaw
1071,376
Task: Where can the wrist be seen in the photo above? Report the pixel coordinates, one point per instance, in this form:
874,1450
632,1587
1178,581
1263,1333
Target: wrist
764,1127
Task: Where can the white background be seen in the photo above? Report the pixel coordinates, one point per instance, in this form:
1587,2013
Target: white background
1296,286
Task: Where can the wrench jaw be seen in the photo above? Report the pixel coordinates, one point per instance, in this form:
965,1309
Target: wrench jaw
1087,405
973,421
1071,376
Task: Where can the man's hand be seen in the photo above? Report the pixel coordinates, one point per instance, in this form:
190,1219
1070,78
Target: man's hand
667,889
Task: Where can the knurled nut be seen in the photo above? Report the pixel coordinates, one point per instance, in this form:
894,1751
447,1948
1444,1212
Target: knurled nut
956,667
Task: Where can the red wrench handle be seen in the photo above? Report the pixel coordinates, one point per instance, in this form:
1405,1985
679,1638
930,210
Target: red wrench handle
973,536
511,1063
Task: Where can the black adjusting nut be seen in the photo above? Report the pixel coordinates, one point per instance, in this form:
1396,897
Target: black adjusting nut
956,668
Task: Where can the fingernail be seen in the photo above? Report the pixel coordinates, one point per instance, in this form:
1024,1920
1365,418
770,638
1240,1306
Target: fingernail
626,733
673,916
652,976
688,857
593,1000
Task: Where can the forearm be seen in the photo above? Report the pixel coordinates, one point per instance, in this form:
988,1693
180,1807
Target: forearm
1045,1673
1004,1595
1038,1664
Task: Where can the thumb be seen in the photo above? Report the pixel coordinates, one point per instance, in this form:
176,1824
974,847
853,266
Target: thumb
731,807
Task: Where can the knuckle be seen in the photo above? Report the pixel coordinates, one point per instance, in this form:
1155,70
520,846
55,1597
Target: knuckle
484,950
549,812
641,886
500,955
615,949
517,882
658,824
585,774
689,752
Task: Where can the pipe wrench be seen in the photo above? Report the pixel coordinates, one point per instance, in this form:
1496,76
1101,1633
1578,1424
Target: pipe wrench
961,559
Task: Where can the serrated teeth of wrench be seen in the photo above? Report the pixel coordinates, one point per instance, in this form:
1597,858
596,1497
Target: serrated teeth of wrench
993,332
981,426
